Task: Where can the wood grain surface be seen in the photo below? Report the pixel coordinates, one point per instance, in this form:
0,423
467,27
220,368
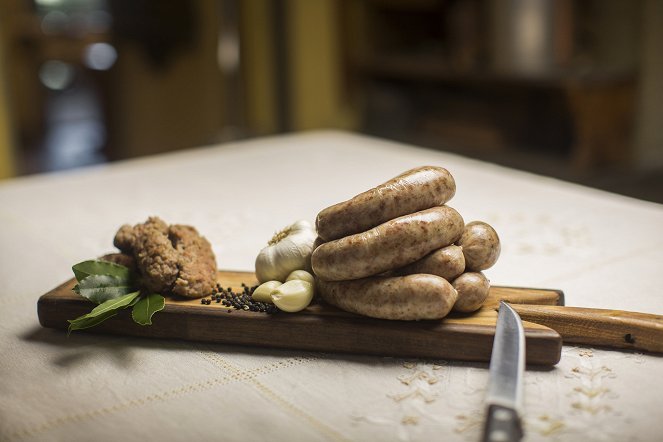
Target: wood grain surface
602,327
320,327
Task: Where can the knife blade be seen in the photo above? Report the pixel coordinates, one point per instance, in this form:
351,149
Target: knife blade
507,364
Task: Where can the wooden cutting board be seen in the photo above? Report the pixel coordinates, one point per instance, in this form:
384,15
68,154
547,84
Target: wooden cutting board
321,327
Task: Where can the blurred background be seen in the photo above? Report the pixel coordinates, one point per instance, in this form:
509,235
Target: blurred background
567,88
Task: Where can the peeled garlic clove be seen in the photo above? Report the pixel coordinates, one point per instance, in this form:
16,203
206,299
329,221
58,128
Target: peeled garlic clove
302,275
293,296
263,292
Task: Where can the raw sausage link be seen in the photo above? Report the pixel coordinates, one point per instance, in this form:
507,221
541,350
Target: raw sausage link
408,297
412,191
447,262
481,246
473,289
388,246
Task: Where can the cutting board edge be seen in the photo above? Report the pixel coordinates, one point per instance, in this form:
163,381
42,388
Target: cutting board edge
547,353
60,304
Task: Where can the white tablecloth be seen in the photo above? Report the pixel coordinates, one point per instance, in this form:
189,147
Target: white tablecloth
603,250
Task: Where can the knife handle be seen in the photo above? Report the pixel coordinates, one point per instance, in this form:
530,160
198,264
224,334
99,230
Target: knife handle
603,327
502,425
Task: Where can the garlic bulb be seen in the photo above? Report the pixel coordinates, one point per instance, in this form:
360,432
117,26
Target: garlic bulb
288,250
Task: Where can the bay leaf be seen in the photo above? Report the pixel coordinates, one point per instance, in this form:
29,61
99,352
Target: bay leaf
82,323
114,304
101,288
132,303
147,306
99,267
102,312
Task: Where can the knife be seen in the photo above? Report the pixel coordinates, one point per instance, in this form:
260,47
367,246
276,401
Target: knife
507,364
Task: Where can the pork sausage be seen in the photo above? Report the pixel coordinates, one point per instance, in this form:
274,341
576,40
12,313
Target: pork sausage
412,191
481,246
447,262
472,288
408,297
389,246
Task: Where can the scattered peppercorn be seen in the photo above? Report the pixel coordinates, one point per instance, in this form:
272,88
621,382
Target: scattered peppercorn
240,300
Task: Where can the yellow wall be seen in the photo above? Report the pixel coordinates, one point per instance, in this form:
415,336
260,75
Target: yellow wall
649,136
313,42
6,153
258,65
314,67
178,107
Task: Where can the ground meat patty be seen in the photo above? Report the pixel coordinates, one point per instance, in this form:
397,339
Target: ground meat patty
170,259
122,259
196,262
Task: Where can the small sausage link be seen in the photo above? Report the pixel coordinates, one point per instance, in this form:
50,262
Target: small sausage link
409,192
408,297
480,244
389,246
473,289
447,262
318,242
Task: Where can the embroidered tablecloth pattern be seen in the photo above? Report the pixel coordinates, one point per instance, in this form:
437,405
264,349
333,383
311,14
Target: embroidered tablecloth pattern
603,250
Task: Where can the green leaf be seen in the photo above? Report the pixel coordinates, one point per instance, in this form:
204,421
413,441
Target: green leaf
81,322
101,288
146,307
102,312
98,267
113,304
134,302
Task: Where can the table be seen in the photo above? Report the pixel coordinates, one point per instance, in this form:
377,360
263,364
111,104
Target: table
603,250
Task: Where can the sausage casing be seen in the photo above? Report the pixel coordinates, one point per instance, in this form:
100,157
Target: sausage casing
481,246
408,297
447,262
473,289
389,246
412,191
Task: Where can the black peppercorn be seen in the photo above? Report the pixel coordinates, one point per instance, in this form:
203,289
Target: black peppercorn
240,300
